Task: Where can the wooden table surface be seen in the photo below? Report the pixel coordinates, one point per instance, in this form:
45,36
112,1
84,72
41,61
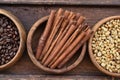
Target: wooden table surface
31,11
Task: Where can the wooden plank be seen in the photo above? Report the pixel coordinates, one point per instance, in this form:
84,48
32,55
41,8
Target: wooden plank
52,77
25,69
63,2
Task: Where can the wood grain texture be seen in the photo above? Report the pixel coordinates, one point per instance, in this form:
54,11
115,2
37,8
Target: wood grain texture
28,15
53,77
63,2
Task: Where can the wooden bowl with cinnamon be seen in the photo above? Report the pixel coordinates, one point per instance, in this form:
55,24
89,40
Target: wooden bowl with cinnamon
61,46
32,42
104,46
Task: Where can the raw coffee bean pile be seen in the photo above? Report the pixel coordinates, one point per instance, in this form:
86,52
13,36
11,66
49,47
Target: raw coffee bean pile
106,45
9,40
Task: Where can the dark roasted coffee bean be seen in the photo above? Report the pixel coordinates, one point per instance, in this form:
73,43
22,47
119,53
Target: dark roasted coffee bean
8,26
4,25
9,47
9,35
7,51
6,61
8,57
16,33
1,38
1,21
5,31
2,55
3,59
1,30
0,47
8,40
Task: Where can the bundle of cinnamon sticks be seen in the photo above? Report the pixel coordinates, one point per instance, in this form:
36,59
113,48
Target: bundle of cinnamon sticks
64,34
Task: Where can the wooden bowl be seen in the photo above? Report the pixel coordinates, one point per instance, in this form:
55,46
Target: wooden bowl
32,41
97,25
22,35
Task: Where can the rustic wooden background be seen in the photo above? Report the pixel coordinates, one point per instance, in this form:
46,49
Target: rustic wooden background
29,11
63,2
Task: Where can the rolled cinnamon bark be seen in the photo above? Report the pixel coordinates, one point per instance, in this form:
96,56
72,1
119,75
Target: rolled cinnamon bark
77,16
73,17
62,42
52,45
65,30
88,34
69,20
45,34
60,37
59,13
50,38
66,14
64,24
55,31
68,50
70,16
80,20
69,41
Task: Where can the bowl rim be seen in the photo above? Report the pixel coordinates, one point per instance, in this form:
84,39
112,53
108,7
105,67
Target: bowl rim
95,27
22,35
37,63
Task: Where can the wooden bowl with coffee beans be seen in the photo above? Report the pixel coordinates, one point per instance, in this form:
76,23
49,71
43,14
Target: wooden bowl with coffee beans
104,47
57,43
12,39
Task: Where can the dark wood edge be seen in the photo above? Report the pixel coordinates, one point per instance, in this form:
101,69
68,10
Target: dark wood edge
63,2
56,77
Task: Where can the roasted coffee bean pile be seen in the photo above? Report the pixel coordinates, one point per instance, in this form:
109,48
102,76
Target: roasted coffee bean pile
9,40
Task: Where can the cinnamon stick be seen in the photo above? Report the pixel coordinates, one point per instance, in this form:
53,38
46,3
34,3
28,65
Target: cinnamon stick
77,16
88,34
68,50
57,27
45,34
59,39
80,20
71,21
50,39
70,16
64,24
69,41
59,13
65,30
62,42
66,14
52,45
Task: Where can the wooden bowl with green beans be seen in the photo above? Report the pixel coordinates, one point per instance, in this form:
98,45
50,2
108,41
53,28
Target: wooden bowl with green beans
57,43
104,47
12,39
